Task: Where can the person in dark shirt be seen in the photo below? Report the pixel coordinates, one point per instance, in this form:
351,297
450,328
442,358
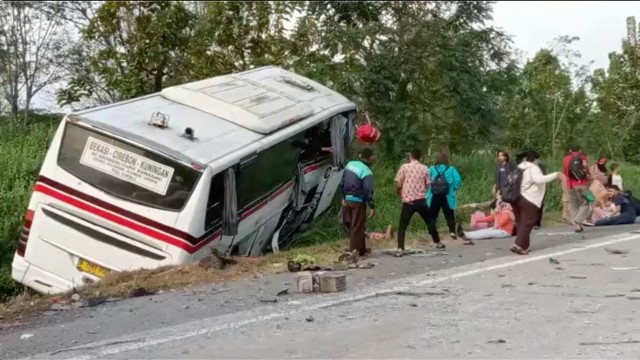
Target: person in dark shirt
624,213
501,172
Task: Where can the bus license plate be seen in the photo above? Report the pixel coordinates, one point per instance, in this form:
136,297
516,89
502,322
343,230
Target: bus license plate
91,268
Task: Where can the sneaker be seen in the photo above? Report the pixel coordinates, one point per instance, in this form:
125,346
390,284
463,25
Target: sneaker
440,245
453,236
398,253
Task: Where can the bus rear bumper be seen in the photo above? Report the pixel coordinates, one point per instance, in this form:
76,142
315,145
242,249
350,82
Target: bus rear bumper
37,279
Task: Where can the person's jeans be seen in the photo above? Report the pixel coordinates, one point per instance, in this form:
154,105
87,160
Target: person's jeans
486,234
622,219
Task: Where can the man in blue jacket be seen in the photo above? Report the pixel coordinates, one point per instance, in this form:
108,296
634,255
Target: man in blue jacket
357,192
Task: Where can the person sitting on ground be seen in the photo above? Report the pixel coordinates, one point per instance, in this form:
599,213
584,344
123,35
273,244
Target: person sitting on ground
615,178
503,220
602,210
624,213
374,235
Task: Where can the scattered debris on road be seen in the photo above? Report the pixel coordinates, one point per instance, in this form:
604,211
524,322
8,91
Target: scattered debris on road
554,261
497,341
139,291
26,336
625,268
309,319
578,277
283,292
616,251
633,297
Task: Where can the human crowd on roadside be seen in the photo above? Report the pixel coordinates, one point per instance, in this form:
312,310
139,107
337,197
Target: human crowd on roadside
591,196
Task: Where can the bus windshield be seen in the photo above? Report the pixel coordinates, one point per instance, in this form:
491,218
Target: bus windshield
124,170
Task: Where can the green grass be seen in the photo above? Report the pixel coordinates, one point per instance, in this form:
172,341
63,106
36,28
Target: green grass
22,151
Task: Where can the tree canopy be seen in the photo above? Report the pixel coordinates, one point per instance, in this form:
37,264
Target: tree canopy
432,74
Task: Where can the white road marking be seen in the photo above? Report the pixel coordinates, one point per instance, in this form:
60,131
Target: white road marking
177,333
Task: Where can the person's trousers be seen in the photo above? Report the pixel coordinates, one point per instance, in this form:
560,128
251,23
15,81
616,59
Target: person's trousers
541,212
439,202
526,218
486,234
622,219
356,213
579,205
408,209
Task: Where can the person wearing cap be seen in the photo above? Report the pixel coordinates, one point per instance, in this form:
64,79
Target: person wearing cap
532,191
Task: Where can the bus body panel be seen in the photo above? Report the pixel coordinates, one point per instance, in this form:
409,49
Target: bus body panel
82,222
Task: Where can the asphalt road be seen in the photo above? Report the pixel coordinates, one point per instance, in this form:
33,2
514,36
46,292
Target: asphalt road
473,302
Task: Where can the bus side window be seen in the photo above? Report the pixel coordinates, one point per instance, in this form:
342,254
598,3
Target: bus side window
268,172
215,203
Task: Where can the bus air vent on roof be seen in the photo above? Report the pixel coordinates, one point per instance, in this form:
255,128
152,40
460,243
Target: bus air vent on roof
299,84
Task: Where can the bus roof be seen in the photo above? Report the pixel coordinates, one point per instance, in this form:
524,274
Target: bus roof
226,113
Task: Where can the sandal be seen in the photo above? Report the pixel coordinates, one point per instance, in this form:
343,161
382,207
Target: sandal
518,250
469,242
440,245
398,253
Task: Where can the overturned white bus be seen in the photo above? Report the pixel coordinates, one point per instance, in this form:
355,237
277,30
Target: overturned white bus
236,162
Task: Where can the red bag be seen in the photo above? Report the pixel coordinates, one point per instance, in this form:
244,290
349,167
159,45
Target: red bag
367,133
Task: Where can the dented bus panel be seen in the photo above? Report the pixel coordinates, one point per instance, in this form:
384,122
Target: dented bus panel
237,164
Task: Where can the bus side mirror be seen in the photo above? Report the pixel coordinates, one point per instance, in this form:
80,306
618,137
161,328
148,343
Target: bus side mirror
230,208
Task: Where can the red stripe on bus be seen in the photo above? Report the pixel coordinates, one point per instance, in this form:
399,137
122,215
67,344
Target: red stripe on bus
137,226
114,218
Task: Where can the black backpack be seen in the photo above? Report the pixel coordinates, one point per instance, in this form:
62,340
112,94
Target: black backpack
439,185
510,191
576,168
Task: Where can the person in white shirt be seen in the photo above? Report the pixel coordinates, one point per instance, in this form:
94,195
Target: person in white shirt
532,190
615,178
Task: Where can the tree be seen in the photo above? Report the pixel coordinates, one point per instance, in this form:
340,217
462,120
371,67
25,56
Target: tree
134,48
36,44
617,91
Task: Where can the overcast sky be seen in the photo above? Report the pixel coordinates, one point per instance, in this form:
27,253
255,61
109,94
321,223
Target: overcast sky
600,25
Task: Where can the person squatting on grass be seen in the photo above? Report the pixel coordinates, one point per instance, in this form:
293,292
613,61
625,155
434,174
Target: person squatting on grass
532,191
412,181
357,190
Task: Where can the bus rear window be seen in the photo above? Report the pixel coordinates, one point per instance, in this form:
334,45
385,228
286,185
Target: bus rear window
126,171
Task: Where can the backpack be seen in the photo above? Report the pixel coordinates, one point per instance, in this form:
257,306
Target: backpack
439,185
510,191
576,168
